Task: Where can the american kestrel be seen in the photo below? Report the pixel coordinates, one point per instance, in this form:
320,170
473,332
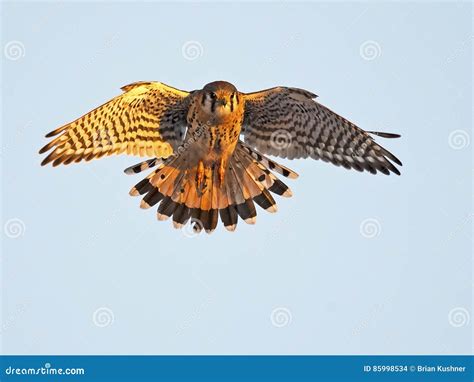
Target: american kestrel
203,168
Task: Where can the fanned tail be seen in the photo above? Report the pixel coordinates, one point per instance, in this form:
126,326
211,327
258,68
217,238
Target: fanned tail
202,194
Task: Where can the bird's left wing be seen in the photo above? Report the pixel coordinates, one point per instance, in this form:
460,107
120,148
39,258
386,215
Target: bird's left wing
149,118
289,123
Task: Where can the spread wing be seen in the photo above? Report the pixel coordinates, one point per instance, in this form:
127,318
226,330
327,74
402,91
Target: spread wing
289,123
149,118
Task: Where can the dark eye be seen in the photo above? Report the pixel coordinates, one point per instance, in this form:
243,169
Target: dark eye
213,95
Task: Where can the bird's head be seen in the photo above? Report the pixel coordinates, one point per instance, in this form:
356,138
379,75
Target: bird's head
220,98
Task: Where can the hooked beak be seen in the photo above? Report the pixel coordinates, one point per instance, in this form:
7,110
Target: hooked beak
223,102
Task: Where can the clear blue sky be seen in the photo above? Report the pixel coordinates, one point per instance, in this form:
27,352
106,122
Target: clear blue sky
313,278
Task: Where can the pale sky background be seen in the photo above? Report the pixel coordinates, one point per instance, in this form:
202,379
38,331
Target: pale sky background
351,264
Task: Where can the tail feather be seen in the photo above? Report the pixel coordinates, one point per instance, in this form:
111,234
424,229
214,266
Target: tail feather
165,179
269,181
280,188
171,186
243,201
214,210
229,214
152,198
254,180
266,201
213,220
274,184
229,217
249,189
176,189
236,196
201,195
166,208
195,222
194,199
142,187
278,168
142,166
205,217
182,213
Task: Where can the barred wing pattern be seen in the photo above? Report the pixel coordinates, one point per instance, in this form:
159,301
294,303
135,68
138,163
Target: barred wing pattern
288,123
148,119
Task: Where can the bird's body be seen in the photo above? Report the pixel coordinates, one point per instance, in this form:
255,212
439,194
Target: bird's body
215,122
203,169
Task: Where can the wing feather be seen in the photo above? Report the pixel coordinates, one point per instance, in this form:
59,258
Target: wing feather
289,123
148,119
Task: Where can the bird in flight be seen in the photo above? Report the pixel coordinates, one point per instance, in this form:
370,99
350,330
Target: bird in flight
203,169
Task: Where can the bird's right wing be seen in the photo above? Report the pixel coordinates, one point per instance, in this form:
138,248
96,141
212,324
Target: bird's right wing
149,118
